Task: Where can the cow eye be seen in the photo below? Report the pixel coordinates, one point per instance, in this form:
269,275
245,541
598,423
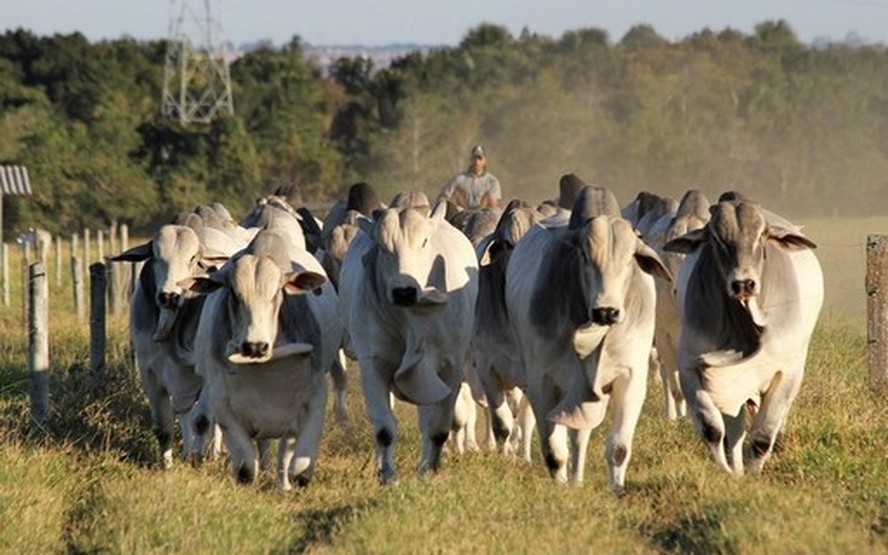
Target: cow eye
425,242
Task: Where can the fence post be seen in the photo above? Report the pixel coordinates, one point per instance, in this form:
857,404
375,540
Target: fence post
100,245
4,260
877,308
26,290
38,343
77,283
58,261
97,339
87,249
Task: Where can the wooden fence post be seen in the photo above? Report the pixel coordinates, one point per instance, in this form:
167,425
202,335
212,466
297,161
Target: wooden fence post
58,261
77,282
38,343
87,250
97,337
26,290
877,308
100,245
4,260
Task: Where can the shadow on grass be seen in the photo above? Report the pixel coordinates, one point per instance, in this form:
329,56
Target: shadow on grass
701,532
110,416
322,525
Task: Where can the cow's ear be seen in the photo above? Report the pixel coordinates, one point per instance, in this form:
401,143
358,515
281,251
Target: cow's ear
135,254
297,283
789,239
212,259
439,213
367,225
200,285
685,243
649,261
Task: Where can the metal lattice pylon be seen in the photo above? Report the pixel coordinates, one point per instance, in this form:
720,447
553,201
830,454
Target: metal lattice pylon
196,82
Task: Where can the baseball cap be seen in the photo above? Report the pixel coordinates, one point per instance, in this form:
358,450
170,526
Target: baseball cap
477,150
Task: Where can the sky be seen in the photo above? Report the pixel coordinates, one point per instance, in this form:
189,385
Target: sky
445,22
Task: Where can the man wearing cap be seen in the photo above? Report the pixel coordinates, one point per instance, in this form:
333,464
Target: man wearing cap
475,186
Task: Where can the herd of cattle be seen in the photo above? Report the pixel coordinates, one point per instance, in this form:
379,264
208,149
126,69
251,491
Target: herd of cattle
543,314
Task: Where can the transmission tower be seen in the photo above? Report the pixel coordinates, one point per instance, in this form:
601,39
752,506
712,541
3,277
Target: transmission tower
196,82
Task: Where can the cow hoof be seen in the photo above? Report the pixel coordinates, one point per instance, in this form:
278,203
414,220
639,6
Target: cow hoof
387,477
619,491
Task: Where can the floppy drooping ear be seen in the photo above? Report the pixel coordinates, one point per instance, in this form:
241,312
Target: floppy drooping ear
649,261
297,283
686,243
201,285
789,239
439,213
135,254
210,260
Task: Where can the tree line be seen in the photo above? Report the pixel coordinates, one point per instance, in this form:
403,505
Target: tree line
802,128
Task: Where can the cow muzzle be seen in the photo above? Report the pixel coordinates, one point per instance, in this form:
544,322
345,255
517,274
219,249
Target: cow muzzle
605,316
743,289
405,296
168,299
255,349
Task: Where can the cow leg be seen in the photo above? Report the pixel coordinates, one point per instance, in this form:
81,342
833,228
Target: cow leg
201,425
553,437
264,448
241,451
286,449
303,465
500,416
628,397
340,387
471,424
735,433
579,440
526,423
771,417
675,403
379,409
460,419
435,422
707,418
161,414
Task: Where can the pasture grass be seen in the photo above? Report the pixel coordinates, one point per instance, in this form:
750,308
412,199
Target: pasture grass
90,479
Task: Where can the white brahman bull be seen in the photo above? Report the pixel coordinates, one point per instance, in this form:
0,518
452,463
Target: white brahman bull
409,284
581,301
264,349
163,321
749,294
300,232
495,352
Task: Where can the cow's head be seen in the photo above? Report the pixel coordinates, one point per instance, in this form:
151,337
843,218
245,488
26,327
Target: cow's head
336,244
739,235
256,288
516,220
174,254
406,255
610,253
